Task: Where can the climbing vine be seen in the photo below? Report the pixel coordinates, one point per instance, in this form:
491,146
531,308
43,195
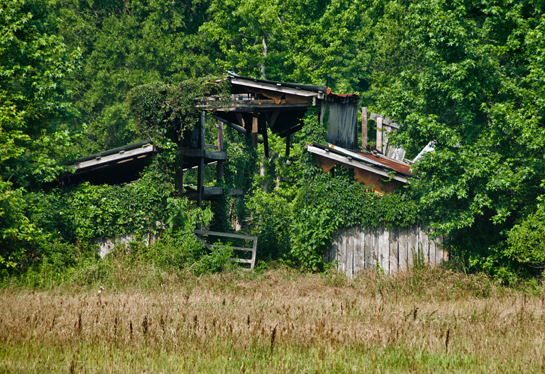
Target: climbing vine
163,110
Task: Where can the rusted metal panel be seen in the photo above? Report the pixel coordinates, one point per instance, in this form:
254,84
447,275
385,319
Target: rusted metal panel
342,124
397,166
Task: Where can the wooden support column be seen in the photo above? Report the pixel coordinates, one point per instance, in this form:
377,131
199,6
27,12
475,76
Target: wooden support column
263,132
379,134
255,128
200,171
219,166
181,178
363,128
288,139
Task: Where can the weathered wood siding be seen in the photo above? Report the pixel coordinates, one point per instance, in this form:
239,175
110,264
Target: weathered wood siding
358,249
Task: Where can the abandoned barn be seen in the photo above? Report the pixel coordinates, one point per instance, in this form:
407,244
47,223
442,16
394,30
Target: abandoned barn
257,106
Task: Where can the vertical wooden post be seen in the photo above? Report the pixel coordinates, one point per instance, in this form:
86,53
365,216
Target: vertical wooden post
255,128
263,131
181,178
379,134
363,128
288,140
200,170
219,166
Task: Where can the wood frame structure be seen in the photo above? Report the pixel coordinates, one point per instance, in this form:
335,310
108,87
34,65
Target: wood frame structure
251,261
257,105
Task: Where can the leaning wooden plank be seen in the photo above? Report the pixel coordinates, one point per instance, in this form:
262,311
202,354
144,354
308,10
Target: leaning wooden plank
379,135
354,162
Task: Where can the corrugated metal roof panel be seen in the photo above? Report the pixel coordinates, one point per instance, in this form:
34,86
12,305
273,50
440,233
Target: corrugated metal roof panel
377,160
307,87
397,166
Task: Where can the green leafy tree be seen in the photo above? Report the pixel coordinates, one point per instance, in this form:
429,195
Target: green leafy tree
126,44
470,77
310,41
34,60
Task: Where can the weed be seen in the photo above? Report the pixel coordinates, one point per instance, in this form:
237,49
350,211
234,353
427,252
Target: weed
427,320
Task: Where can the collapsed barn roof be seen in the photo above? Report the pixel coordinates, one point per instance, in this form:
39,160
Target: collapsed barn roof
114,166
257,104
375,163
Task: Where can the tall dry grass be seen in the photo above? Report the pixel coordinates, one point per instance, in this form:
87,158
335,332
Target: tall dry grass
279,321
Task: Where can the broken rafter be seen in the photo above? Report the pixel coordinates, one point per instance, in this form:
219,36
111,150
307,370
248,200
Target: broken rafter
238,128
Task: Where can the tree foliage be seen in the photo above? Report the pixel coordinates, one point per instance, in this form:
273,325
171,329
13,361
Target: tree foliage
475,88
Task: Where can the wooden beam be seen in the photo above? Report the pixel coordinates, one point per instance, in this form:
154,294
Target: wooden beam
385,121
196,153
363,128
241,130
379,134
219,166
255,127
200,170
290,131
273,118
240,120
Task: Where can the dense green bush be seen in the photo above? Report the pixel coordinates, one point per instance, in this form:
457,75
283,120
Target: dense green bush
355,205
312,230
270,217
526,241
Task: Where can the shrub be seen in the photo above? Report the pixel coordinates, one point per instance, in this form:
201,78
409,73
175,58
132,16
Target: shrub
526,241
312,231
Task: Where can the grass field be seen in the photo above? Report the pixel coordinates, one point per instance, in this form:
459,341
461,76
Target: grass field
429,320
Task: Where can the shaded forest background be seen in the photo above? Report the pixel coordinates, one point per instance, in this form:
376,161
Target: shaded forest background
468,75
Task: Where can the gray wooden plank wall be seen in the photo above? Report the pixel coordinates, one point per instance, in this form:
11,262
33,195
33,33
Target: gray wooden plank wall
358,249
